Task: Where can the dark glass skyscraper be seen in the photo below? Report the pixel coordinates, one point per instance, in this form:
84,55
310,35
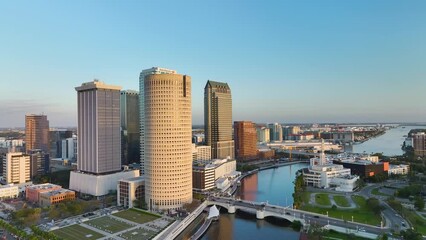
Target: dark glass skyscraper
130,137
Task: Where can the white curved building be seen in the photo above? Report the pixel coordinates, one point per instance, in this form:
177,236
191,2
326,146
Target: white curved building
167,141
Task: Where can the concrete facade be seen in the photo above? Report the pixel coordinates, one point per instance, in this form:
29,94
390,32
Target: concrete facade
129,190
419,144
8,191
100,185
146,72
99,150
16,168
167,150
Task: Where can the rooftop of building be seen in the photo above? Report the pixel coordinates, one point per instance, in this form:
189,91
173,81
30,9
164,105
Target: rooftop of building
57,192
214,163
134,179
96,84
43,186
217,84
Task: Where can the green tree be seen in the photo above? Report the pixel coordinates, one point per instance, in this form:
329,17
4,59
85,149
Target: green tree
374,205
315,232
411,235
296,225
419,203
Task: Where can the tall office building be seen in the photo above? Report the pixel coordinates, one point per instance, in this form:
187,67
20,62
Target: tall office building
218,119
276,132
98,146
130,138
36,132
99,140
153,70
16,167
245,136
419,144
166,123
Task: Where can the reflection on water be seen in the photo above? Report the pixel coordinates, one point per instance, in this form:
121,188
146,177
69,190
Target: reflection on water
272,185
389,143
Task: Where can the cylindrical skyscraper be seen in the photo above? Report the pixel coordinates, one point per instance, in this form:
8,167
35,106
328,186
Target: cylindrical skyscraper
167,140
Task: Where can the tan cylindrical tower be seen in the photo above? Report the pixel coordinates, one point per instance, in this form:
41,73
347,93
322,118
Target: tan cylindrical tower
167,138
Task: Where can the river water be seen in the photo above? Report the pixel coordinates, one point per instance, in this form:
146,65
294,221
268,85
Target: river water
276,186
389,143
272,185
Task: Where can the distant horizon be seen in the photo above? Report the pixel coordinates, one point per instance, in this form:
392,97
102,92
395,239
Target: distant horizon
260,123
285,61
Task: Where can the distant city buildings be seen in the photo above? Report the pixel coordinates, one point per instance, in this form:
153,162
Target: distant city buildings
201,153
166,130
419,144
69,148
56,136
130,137
16,168
39,162
36,132
218,119
401,169
263,135
245,136
276,132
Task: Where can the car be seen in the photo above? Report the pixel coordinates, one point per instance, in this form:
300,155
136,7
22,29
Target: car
316,217
288,213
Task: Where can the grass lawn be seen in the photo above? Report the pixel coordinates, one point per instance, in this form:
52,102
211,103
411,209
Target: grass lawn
76,232
361,214
136,216
322,199
418,222
341,201
139,233
305,197
376,191
108,224
336,235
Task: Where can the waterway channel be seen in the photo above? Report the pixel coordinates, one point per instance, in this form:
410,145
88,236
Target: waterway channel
389,143
273,185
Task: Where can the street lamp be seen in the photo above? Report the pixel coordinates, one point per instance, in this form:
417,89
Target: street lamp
352,218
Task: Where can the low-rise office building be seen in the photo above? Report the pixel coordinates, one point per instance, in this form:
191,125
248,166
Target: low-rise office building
32,193
55,196
205,175
401,169
8,191
130,190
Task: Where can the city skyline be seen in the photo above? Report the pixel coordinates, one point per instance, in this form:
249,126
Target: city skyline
291,61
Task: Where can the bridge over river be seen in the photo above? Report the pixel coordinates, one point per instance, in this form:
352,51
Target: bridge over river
264,210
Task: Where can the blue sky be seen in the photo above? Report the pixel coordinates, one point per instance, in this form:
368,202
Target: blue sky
285,61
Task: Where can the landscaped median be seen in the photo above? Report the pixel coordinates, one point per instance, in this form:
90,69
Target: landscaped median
322,199
341,201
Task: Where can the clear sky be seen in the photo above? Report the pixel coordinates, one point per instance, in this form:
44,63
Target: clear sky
285,61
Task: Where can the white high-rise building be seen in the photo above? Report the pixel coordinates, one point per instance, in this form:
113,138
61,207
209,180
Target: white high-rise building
263,135
153,70
17,168
69,148
166,130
